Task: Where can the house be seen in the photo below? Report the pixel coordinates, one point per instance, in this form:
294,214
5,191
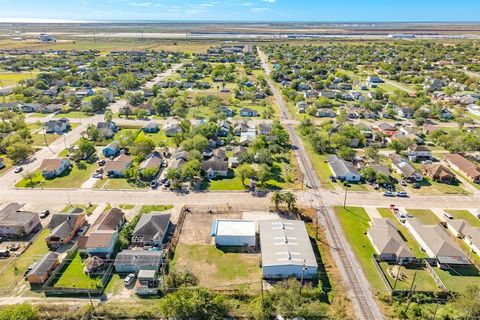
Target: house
152,162
106,130
236,233
406,112
463,230
57,126
302,106
51,108
64,226
172,129
387,128
43,268
248,112
405,168
239,128
15,223
417,152
226,111
132,261
286,250
464,166
343,170
438,172
436,242
374,79
30,107
112,149
52,168
215,168
151,229
265,129
325,113
233,162
327,94
151,127
239,151
101,243
117,167
82,93
388,243
220,154
224,129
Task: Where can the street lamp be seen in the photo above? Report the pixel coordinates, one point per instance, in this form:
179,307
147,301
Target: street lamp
346,185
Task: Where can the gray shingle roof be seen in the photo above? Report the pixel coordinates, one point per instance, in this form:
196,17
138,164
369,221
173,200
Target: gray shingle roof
140,258
45,264
387,240
62,224
152,226
341,167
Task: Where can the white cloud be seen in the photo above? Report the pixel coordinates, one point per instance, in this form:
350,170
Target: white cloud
269,1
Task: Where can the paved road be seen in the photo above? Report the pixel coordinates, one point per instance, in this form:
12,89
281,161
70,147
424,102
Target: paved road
161,76
354,279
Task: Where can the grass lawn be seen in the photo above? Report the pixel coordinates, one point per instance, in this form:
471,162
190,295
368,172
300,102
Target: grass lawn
88,209
159,138
215,267
14,268
39,139
126,206
73,114
432,187
119,183
74,277
72,178
411,242
12,78
38,115
423,281
425,216
321,167
115,285
155,208
459,278
232,182
355,223
465,215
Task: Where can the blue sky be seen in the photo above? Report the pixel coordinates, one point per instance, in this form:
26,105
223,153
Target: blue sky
243,10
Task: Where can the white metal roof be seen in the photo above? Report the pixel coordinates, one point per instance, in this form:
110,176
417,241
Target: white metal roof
235,228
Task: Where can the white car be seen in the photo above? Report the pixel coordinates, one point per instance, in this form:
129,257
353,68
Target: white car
129,279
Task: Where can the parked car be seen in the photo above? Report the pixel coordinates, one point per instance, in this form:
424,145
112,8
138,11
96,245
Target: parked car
18,169
164,180
154,184
99,170
402,194
30,267
4,253
332,178
416,185
388,194
447,216
129,279
97,176
44,214
403,183
14,246
101,162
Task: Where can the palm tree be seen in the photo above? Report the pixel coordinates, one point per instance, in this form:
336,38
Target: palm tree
277,199
290,199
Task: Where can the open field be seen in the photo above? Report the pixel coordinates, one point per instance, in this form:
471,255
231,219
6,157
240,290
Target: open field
218,268
154,208
113,44
459,278
41,139
355,223
12,78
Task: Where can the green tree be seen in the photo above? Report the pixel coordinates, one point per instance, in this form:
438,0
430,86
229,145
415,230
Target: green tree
92,133
99,103
277,199
245,171
22,311
142,146
468,303
263,173
197,304
108,115
290,199
19,151
85,149
197,142
398,145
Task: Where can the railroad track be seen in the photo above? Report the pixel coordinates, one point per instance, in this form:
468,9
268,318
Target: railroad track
360,292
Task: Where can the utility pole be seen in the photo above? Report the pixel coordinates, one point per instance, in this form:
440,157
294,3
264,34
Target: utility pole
345,199
396,278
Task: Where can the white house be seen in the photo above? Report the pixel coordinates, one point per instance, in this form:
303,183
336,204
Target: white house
343,170
419,152
215,168
463,230
54,167
237,233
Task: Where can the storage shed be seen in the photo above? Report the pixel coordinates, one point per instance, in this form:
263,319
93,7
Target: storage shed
234,233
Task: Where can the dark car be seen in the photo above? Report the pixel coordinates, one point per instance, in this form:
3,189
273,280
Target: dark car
154,184
44,213
416,185
101,162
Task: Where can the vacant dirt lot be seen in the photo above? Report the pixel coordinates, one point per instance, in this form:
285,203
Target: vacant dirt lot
197,226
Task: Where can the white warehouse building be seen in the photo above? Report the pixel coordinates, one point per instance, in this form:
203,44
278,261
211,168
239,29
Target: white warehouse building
286,250
234,233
